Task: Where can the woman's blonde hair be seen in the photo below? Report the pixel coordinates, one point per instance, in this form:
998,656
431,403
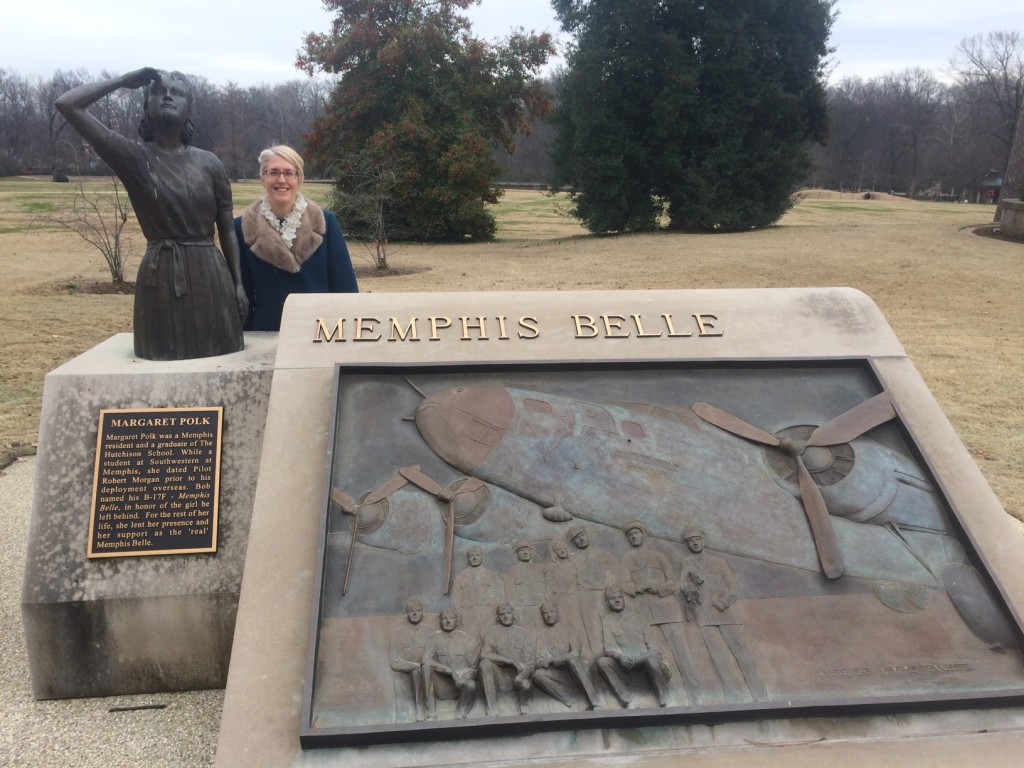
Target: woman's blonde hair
283,151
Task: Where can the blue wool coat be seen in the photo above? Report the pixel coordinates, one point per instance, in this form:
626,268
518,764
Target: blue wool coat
317,262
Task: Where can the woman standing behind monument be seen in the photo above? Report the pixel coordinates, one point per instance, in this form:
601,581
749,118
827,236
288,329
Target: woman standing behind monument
189,298
289,245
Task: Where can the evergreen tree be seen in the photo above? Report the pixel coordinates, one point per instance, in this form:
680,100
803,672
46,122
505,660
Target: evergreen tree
699,112
422,98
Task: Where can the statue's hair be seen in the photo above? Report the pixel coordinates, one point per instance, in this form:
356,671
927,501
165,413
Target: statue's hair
283,151
188,128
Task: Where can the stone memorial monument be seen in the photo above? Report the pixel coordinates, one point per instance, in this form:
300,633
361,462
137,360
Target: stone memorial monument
147,470
136,544
732,512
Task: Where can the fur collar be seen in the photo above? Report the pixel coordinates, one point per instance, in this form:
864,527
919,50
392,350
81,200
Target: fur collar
264,241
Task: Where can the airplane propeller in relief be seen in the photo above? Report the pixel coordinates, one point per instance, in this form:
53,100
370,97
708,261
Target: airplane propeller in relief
414,475
428,484
842,429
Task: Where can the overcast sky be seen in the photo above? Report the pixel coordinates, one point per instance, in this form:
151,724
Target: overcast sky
256,40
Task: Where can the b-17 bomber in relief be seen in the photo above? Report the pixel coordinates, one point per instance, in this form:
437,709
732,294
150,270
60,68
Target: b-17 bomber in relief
824,504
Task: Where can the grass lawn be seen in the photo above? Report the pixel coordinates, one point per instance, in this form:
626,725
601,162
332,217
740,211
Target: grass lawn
953,298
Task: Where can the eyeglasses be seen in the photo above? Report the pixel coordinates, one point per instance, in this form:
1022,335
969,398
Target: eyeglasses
274,173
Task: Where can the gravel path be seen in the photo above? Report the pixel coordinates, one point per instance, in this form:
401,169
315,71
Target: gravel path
178,729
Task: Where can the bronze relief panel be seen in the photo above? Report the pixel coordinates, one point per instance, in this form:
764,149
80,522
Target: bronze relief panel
518,547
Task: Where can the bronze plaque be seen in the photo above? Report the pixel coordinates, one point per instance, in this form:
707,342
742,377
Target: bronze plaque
513,548
156,482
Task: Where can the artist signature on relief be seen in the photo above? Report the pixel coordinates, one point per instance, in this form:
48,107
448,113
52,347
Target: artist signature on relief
894,669
647,463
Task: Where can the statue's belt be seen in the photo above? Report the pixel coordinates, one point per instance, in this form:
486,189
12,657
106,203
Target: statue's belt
174,248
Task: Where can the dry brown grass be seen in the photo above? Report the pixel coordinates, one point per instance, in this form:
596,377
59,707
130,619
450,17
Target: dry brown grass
953,299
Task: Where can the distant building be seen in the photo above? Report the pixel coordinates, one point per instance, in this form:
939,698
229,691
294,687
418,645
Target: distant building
988,190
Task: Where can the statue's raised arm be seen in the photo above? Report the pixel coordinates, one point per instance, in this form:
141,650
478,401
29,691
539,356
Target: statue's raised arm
74,104
189,298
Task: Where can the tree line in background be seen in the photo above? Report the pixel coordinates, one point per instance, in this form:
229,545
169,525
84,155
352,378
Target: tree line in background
914,134
667,114
233,122
907,132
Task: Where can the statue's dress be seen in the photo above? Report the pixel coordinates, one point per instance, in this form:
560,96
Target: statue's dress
185,304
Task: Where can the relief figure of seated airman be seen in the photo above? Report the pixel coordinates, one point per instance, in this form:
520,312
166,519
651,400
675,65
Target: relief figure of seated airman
454,655
558,650
510,648
627,647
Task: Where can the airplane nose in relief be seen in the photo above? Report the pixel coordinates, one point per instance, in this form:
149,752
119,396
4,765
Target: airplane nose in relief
430,420
463,425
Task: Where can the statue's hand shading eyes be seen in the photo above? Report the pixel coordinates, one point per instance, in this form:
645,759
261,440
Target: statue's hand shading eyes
142,77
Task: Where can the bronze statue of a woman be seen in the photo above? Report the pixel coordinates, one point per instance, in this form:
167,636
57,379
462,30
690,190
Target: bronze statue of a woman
189,298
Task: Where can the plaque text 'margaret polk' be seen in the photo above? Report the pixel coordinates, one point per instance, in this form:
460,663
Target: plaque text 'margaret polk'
156,482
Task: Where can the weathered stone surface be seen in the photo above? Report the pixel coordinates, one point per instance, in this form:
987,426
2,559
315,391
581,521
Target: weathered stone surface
263,705
1012,222
136,624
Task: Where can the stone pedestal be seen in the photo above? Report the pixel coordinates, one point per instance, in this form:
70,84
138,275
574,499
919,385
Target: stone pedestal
1012,222
127,625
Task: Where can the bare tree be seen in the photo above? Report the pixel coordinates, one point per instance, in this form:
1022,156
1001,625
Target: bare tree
17,111
47,92
914,100
995,63
362,198
853,105
99,217
957,158
234,109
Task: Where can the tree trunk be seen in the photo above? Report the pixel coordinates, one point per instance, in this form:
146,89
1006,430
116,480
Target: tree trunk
1013,177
